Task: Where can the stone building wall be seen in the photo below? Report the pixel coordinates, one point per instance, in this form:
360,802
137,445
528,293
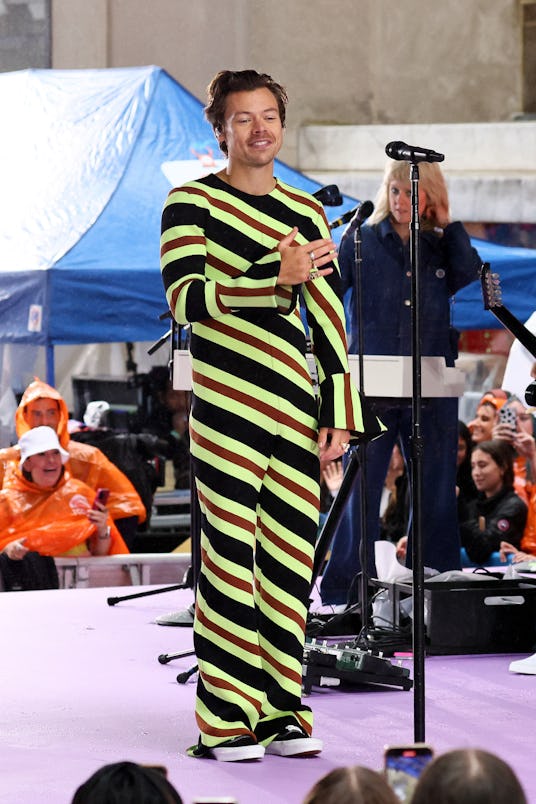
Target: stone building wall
352,62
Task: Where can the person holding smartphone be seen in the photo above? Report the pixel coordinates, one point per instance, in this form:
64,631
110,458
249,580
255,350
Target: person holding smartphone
42,405
47,511
515,426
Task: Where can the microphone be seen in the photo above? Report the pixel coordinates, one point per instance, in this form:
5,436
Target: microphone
364,211
343,219
329,196
360,214
412,153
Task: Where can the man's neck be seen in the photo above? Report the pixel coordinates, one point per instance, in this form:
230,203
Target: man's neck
254,181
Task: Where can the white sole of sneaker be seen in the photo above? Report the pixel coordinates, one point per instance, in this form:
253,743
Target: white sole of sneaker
300,747
239,753
523,667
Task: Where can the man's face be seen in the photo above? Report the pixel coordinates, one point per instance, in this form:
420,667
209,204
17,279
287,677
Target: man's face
43,412
252,128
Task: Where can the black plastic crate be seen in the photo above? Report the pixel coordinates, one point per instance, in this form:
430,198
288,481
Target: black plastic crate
476,616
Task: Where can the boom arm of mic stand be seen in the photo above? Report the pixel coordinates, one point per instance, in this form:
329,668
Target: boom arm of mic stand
160,342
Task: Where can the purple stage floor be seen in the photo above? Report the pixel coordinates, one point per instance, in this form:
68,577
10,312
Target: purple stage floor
82,686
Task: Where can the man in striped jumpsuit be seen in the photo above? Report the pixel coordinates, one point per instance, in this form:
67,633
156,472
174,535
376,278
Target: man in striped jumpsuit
237,247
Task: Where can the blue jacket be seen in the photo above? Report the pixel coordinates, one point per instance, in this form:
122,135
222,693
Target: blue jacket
447,263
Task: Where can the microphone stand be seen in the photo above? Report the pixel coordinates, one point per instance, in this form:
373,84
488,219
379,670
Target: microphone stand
183,617
363,546
416,466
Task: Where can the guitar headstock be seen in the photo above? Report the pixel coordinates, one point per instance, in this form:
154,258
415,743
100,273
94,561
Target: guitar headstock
491,287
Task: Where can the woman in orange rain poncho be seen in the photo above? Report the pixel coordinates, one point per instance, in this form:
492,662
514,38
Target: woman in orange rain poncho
48,511
41,404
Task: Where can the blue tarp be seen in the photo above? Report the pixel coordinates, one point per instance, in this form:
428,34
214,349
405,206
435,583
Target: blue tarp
516,268
87,159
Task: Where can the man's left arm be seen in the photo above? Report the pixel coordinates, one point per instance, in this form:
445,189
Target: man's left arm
341,406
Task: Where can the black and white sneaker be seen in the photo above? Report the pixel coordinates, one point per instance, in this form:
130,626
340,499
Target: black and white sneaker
294,742
238,749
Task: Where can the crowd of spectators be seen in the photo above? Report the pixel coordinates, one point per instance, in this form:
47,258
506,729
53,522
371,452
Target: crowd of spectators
461,776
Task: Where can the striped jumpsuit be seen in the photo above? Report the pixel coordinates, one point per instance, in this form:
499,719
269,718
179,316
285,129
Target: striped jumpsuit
254,427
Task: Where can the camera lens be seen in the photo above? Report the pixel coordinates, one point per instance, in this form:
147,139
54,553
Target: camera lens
530,395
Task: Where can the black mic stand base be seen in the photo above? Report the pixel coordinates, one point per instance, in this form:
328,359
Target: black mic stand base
344,662
183,677
186,584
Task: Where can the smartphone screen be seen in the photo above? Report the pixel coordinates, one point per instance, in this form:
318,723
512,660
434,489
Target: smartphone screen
102,496
403,766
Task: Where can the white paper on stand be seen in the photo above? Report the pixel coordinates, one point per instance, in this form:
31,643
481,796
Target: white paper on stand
388,567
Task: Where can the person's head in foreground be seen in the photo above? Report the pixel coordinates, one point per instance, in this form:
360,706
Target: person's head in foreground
127,783
468,776
352,785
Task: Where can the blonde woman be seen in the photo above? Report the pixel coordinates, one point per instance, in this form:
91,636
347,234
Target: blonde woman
447,263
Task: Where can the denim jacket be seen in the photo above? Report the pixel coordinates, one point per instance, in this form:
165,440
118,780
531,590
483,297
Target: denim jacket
447,263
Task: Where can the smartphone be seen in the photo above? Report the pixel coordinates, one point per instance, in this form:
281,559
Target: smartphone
403,764
102,497
508,416
215,800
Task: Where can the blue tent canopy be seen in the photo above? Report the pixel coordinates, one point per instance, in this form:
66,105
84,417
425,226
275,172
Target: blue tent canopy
87,159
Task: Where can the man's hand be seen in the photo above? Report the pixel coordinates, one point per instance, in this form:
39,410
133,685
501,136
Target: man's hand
297,262
332,444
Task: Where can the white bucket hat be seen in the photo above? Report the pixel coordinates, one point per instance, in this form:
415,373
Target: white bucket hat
40,439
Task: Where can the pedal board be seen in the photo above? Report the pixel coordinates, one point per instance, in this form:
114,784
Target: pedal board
343,663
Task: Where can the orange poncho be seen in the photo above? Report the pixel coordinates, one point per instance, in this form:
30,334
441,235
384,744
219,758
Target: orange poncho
85,463
53,521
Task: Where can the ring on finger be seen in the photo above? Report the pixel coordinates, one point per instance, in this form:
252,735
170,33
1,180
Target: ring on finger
313,273
345,446
312,256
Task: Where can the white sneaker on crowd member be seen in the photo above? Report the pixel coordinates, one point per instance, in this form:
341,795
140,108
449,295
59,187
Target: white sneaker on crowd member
527,666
